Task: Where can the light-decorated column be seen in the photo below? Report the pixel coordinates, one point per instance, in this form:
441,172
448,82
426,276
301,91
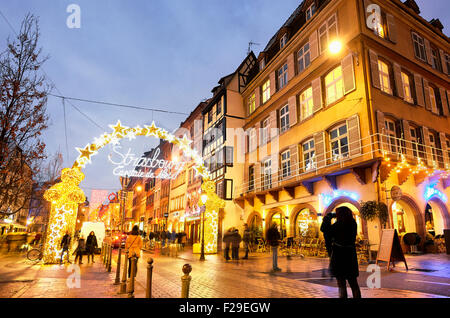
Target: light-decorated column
64,197
212,206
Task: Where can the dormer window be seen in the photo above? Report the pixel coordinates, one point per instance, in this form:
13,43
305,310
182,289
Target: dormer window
262,64
310,11
283,41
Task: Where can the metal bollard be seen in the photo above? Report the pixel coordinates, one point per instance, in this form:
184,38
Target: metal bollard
119,257
110,258
148,292
185,280
104,253
130,287
123,284
106,256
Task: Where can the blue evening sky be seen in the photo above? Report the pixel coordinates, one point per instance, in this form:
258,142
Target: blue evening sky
165,54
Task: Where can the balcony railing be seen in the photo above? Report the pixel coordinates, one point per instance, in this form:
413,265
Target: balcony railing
374,146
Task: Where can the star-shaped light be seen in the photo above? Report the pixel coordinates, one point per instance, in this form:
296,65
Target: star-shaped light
118,128
86,153
152,130
185,141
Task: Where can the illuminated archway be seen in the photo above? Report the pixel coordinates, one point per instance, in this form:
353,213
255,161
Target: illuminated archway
305,221
440,214
66,195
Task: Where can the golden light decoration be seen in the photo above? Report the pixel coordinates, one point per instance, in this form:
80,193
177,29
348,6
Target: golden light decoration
66,195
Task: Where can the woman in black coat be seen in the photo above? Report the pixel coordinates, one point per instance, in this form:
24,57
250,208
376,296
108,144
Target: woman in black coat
91,245
341,237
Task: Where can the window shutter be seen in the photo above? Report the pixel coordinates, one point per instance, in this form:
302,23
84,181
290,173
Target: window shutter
398,80
273,83
448,101
274,166
257,97
426,90
354,137
419,90
348,73
246,137
428,51
445,70
292,101
220,189
382,131
317,94
392,28
313,46
294,159
407,136
445,150
319,148
374,69
246,178
291,66
426,137
258,176
444,101
273,126
257,134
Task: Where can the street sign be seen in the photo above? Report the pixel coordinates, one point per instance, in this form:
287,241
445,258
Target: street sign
396,193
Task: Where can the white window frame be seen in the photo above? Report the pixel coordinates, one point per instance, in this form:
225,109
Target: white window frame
285,164
267,174
266,91
333,85
391,132
306,103
310,11
324,31
282,76
283,41
252,140
385,78
262,64
435,58
407,88
251,178
309,155
419,43
304,57
265,125
432,139
340,154
284,118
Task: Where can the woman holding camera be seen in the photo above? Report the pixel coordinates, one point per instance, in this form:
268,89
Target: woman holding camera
340,240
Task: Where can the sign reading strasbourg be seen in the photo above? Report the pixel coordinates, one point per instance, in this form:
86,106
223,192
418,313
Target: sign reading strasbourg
129,165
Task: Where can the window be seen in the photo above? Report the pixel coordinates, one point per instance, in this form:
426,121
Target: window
266,91
284,118
310,11
210,116
433,98
436,61
391,132
327,33
385,80
219,108
419,47
381,28
334,85
283,41
407,88
265,131
309,158
306,103
251,178
447,62
282,76
262,64
303,58
415,142
339,143
448,147
267,174
433,146
286,164
252,140
251,103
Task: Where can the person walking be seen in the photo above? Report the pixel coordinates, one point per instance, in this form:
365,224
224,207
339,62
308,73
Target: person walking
163,238
228,236
91,245
273,237
80,250
183,240
343,260
133,245
65,245
235,241
246,238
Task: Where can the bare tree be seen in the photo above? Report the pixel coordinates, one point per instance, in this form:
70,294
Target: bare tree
23,99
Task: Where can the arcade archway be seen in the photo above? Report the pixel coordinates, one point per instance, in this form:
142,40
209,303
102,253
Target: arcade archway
66,195
406,216
437,217
355,207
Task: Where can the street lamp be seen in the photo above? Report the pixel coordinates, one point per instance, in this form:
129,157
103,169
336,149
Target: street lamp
335,47
204,198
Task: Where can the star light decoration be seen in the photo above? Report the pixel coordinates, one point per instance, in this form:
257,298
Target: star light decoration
66,195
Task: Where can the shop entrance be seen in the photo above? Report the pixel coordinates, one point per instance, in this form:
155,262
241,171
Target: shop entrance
403,218
279,220
306,224
437,217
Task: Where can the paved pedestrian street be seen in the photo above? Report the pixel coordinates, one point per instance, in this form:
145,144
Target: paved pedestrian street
428,277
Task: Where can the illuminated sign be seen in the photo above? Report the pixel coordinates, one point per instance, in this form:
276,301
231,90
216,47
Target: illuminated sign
431,191
128,162
327,199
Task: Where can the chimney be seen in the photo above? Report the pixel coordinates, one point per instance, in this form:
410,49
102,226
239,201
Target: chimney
413,5
437,24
